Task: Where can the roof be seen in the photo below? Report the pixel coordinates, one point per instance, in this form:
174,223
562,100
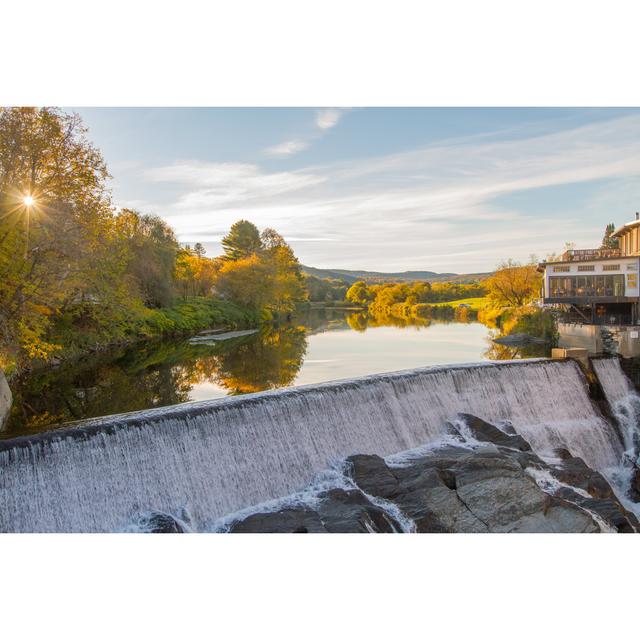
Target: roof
625,227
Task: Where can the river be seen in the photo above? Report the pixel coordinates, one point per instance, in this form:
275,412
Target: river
321,345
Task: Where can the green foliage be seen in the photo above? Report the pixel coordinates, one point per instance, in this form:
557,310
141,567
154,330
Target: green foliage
607,241
151,248
383,296
540,323
75,275
327,290
268,280
242,240
60,253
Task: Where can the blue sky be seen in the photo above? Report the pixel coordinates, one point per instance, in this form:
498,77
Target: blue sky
385,189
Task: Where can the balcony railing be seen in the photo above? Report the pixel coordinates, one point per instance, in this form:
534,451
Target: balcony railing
577,255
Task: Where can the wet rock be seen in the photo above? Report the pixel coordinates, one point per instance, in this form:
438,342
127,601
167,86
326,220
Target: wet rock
635,484
486,432
372,475
287,520
158,522
351,512
488,488
5,399
435,506
507,427
559,517
575,472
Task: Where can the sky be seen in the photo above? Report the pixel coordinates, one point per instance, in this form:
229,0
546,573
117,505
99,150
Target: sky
382,189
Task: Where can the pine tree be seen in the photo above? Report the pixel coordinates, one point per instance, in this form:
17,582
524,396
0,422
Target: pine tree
242,240
608,242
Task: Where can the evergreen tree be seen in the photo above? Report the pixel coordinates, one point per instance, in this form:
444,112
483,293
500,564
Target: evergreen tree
242,240
607,241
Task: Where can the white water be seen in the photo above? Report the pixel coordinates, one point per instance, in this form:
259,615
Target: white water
625,406
623,400
218,457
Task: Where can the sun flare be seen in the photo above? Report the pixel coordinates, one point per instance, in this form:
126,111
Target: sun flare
28,201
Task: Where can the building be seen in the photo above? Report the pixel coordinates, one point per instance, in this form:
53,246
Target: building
597,286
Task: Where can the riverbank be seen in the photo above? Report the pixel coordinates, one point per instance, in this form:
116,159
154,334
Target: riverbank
184,318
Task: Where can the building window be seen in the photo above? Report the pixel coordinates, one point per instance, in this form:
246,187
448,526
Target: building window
561,269
586,286
611,267
586,267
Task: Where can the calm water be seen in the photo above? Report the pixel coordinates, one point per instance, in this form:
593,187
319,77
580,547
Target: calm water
322,345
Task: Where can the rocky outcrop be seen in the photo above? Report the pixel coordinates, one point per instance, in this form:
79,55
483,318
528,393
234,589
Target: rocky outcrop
485,479
158,522
5,399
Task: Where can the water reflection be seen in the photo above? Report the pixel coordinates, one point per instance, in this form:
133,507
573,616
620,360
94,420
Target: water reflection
322,345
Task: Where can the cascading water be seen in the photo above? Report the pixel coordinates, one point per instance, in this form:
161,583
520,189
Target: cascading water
622,398
625,405
217,457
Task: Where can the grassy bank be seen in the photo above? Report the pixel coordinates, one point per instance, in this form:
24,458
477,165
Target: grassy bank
75,337
475,304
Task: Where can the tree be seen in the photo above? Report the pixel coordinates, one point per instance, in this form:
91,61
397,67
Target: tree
608,242
268,277
287,283
199,250
360,293
152,248
195,274
58,248
246,281
242,240
513,284
271,239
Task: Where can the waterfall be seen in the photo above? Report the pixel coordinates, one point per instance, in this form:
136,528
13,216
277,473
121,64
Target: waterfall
215,457
623,400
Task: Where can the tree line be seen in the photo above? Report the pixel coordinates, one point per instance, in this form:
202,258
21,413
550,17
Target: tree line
71,264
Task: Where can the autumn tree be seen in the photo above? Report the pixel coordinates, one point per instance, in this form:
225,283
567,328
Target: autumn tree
513,284
287,282
57,242
265,275
360,293
245,281
242,240
152,249
195,274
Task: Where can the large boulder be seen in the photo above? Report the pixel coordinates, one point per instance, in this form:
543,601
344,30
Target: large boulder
5,399
372,475
287,520
352,512
492,482
160,522
333,511
485,432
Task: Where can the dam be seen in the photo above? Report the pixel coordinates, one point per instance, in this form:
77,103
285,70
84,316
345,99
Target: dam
216,457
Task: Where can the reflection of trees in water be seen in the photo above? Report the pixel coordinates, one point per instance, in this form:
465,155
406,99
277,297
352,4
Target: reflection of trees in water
271,361
155,375
363,320
497,351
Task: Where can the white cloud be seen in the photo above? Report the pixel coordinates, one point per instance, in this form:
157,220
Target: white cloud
287,148
431,208
328,118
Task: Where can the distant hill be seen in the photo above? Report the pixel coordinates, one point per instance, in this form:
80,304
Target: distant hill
402,276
